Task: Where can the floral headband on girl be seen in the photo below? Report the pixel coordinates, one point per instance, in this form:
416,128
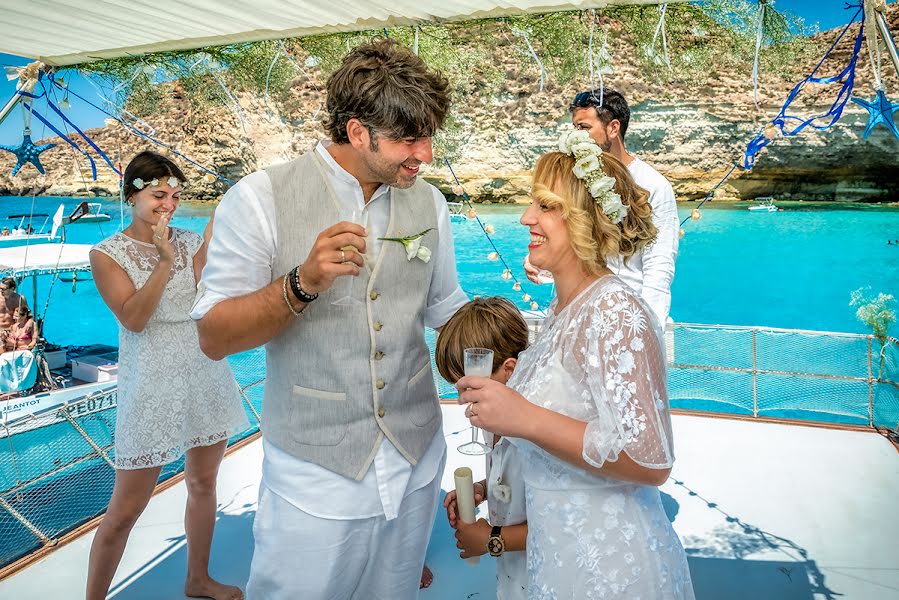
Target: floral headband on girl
588,168
140,184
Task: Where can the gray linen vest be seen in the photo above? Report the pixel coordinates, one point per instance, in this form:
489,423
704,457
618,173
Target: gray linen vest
340,378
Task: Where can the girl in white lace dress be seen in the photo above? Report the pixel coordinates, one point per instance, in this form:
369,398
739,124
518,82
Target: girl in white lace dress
172,399
587,405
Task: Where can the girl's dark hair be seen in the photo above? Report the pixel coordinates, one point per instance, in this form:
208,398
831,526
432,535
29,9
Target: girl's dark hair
149,166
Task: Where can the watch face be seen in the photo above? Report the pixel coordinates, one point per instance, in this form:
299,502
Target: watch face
495,546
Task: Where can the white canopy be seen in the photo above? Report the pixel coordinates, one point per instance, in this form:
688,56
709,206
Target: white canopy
77,31
22,261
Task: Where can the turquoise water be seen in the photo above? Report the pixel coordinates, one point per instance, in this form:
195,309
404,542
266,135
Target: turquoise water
791,269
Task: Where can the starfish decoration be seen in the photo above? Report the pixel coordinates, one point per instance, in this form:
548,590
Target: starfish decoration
880,111
27,152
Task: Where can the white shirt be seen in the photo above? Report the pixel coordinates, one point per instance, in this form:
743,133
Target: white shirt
650,271
240,260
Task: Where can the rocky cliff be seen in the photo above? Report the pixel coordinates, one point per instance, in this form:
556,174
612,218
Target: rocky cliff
691,129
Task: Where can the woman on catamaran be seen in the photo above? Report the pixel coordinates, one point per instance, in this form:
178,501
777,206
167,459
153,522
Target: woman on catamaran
172,399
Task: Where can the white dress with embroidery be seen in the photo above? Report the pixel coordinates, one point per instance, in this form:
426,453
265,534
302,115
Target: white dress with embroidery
171,397
600,360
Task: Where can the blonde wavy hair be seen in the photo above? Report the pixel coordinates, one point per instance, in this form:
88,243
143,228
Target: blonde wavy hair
594,237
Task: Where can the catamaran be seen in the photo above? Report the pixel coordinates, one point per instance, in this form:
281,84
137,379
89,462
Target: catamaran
771,499
75,372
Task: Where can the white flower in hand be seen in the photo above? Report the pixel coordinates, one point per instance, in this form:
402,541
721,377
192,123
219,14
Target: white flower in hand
501,492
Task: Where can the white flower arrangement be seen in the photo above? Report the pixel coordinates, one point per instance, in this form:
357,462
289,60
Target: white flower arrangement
412,244
588,168
140,184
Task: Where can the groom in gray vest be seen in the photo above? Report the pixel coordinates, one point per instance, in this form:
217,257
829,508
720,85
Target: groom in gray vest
354,450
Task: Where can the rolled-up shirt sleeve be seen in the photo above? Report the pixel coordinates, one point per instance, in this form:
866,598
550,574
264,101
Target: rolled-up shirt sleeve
445,295
241,252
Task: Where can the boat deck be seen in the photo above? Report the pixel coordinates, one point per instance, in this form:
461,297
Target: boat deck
765,510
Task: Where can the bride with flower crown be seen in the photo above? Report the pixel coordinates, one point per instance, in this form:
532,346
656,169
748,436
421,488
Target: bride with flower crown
588,404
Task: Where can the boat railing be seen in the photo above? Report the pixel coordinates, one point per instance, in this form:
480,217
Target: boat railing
774,373
57,465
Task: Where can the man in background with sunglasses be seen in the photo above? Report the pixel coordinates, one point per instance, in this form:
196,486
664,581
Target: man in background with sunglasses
650,271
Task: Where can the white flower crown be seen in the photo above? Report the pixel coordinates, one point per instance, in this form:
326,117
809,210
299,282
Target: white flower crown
140,184
588,168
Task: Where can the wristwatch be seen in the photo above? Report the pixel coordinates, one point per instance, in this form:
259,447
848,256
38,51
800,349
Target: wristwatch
495,543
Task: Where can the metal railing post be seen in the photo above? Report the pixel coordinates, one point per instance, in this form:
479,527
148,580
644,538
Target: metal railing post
870,381
755,376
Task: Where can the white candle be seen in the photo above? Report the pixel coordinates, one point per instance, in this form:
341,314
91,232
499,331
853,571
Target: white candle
465,501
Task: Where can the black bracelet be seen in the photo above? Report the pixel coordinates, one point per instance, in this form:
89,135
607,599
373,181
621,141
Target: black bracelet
295,286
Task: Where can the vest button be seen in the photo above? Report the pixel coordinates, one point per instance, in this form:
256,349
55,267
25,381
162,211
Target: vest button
377,326
374,295
380,384
381,412
379,355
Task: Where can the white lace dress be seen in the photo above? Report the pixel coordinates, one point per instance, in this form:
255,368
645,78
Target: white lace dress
171,397
600,360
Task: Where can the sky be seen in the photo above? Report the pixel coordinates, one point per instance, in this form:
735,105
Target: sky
826,13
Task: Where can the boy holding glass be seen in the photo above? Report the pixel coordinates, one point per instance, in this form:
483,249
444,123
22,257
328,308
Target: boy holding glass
493,324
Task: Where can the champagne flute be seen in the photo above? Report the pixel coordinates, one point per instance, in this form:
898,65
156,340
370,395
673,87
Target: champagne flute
477,362
343,287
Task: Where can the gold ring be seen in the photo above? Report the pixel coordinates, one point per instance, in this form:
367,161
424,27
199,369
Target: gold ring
342,256
158,237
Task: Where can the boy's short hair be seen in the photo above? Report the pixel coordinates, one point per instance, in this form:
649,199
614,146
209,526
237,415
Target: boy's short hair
493,323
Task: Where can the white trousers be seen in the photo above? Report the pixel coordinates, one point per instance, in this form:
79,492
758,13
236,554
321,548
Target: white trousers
299,556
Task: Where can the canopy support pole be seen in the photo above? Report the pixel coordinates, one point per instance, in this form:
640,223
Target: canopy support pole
12,103
888,39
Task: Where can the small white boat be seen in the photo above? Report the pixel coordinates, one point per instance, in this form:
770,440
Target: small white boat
765,204
456,210
24,234
88,212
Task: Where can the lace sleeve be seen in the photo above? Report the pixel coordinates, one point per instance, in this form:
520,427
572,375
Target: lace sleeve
625,377
192,240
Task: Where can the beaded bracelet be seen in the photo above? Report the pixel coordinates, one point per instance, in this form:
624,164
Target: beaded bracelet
295,286
295,312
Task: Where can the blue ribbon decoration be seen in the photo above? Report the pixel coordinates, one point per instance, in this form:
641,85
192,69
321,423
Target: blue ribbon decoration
847,75
40,117
140,133
66,120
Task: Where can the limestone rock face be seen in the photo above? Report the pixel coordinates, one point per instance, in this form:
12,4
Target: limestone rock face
692,130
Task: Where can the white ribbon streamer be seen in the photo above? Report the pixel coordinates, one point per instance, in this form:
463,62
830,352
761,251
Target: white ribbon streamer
269,74
302,70
593,70
660,28
233,105
760,26
527,40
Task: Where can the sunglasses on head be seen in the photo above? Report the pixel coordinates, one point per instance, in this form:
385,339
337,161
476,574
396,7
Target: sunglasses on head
585,99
